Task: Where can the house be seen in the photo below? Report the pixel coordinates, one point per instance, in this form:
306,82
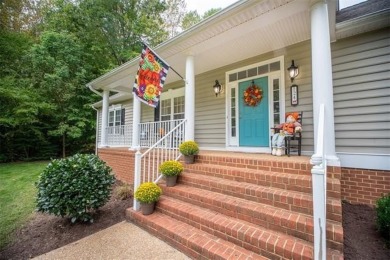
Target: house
343,57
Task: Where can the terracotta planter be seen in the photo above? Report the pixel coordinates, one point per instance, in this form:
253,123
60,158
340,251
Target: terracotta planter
147,208
171,180
189,159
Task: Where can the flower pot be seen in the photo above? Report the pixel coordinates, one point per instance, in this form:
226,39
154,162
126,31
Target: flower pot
189,159
171,180
147,208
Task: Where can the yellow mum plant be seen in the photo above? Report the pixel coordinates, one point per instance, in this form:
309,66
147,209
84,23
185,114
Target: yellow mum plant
148,192
171,168
189,148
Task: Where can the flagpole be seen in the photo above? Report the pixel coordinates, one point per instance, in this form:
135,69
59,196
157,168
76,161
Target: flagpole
164,61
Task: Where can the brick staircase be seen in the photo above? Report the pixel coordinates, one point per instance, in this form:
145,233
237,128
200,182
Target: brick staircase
240,206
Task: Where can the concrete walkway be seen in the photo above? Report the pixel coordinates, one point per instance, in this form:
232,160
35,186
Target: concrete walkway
120,241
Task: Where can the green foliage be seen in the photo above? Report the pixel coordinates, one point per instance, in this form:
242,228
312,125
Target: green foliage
171,168
74,187
17,193
148,192
383,216
123,192
189,148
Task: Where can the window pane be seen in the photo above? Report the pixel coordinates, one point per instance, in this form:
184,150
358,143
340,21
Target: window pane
275,66
242,74
263,69
233,77
252,72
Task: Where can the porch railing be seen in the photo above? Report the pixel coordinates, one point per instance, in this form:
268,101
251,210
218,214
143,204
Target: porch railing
319,172
119,135
152,132
166,148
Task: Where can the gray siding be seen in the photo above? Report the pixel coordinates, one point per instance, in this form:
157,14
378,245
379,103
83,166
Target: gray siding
361,85
210,111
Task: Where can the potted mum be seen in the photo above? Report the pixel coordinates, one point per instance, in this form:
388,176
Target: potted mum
171,169
189,149
148,193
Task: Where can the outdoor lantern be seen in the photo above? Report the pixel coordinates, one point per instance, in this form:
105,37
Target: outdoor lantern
293,71
217,88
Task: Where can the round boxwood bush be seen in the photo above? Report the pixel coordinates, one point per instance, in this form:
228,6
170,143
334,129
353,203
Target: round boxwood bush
383,216
74,187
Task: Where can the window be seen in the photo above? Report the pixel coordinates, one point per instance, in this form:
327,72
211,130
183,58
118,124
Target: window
178,108
116,119
172,105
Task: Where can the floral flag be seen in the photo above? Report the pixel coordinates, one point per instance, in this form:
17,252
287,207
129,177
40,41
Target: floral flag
150,78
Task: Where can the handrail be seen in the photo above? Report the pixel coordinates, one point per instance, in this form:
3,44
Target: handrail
166,148
319,189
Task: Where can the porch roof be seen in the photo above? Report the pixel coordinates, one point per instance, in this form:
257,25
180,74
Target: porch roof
244,29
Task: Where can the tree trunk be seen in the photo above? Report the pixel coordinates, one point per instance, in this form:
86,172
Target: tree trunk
63,146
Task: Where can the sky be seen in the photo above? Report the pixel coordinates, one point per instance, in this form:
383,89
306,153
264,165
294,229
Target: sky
204,5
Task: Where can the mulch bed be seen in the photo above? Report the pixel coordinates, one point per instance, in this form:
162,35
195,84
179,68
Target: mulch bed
44,233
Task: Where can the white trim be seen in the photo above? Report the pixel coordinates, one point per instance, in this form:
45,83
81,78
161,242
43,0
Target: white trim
172,93
365,160
232,143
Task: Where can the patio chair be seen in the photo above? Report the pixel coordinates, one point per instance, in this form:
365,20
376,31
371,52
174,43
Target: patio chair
292,142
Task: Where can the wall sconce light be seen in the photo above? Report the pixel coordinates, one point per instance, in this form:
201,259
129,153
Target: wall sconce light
293,71
217,88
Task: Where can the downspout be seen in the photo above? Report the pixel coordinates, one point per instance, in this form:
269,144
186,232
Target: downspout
97,129
97,117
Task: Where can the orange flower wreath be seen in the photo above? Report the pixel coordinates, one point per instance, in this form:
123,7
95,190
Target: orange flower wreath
253,95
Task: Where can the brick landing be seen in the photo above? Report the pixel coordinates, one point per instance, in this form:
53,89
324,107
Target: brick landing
244,206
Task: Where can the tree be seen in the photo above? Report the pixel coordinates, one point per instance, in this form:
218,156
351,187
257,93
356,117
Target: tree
190,19
58,75
173,16
111,30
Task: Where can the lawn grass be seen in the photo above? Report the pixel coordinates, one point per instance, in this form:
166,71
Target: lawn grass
17,195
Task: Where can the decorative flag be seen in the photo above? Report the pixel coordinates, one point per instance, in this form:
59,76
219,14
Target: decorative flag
150,78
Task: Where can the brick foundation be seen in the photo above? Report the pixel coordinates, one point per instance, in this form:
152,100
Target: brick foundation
359,186
363,186
121,160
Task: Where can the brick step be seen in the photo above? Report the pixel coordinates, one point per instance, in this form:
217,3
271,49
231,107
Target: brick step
295,165
287,181
271,244
296,224
281,198
194,242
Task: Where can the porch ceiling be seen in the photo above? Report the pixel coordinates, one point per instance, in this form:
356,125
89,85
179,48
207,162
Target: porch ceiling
243,30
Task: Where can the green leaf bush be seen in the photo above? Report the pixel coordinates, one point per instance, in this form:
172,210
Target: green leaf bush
171,168
74,187
189,148
148,192
383,216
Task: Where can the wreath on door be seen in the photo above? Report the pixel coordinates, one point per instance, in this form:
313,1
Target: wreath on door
253,95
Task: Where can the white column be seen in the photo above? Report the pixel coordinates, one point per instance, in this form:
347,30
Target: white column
322,77
190,99
103,137
136,121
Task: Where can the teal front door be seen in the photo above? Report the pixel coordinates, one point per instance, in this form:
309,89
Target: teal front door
253,119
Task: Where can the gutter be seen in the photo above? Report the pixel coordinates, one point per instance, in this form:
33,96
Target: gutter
94,91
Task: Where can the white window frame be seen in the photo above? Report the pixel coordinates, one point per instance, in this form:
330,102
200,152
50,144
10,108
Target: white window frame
113,123
171,94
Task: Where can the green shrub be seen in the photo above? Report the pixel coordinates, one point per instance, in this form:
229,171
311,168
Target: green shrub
74,187
171,168
383,216
189,148
123,192
148,192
